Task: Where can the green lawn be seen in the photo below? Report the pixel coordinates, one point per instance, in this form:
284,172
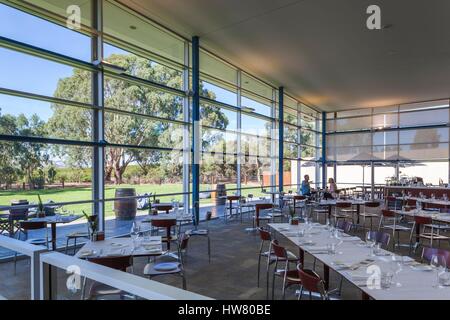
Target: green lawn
69,194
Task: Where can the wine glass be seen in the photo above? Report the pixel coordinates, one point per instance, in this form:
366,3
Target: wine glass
370,240
438,263
396,266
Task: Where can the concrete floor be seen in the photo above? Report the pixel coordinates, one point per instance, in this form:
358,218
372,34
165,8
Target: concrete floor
230,275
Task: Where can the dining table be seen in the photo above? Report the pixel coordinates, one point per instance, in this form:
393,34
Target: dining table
356,261
53,221
230,199
118,247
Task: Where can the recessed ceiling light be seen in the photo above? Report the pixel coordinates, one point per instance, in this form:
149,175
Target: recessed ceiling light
133,27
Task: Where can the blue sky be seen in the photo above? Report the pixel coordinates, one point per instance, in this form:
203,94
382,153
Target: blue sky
30,74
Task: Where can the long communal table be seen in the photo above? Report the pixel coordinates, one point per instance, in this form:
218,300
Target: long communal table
415,281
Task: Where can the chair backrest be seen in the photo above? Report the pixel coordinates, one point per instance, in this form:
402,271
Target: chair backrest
310,280
233,198
18,213
343,204
343,225
410,202
387,213
164,223
164,208
428,253
380,237
391,198
372,204
119,263
278,251
422,220
299,197
184,239
32,225
264,234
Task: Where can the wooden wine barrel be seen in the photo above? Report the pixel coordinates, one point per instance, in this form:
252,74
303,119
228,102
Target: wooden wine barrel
220,192
125,209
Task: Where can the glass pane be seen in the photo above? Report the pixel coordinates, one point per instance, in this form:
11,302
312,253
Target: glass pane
24,73
424,151
256,146
256,126
59,7
215,92
32,118
431,172
217,68
253,85
422,118
424,135
123,95
141,131
137,31
143,68
217,117
260,105
219,141
20,26
349,124
58,173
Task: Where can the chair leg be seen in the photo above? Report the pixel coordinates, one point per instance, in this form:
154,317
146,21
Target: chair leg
15,263
67,245
259,267
273,283
301,293
209,249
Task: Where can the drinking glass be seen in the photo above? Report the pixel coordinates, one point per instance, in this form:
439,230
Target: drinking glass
438,263
331,248
396,265
370,240
386,279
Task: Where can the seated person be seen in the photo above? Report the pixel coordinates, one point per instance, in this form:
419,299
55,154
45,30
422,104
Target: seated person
306,187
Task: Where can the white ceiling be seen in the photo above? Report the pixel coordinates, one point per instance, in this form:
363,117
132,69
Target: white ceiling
321,50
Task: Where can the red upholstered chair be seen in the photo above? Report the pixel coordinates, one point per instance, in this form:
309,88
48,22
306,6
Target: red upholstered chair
289,276
311,282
